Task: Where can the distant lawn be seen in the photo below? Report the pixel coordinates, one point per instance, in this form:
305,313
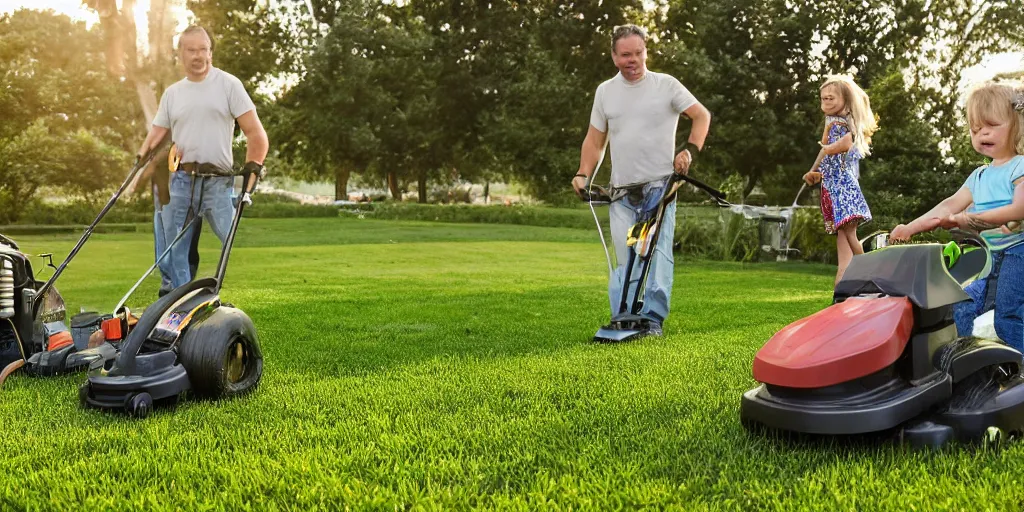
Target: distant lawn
448,366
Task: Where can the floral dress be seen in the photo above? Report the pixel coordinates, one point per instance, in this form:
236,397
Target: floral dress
841,198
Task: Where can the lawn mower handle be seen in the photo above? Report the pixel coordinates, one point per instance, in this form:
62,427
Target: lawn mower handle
140,163
716,194
250,178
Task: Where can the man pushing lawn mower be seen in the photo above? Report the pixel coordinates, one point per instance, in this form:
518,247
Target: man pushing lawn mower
637,113
200,112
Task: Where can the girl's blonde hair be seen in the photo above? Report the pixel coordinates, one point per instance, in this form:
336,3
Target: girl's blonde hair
994,102
861,120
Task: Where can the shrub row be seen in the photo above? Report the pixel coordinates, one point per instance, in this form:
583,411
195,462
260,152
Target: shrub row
701,231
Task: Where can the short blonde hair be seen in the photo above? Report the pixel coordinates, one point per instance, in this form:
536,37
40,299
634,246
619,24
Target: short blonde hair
994,102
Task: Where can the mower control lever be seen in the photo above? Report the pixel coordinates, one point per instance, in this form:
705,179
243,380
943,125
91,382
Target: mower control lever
596,194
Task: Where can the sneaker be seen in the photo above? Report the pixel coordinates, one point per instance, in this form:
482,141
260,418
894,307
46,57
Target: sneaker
654,329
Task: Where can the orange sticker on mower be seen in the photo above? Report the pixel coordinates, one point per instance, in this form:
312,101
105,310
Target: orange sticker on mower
59,340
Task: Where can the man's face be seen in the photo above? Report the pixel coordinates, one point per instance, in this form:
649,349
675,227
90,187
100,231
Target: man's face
196,55
630,56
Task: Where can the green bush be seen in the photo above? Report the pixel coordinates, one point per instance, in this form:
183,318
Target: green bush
517,214
277,210
128,210
728,237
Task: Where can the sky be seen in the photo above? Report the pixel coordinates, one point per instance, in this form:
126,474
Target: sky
75,10
988,68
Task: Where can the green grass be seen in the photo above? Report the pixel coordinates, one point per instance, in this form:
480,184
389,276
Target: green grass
445,366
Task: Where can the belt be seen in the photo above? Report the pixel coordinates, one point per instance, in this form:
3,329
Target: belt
203,168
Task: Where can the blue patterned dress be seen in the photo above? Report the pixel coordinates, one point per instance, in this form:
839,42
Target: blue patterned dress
841,198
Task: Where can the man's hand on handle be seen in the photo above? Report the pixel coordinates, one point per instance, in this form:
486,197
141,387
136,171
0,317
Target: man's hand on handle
682,162
579,184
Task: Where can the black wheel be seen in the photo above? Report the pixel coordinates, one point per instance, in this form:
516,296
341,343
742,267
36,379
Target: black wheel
139,405
222,354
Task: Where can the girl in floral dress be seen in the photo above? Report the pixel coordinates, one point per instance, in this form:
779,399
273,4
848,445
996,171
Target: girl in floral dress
849,124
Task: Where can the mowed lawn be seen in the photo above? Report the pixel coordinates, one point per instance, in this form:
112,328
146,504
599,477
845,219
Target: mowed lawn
444,366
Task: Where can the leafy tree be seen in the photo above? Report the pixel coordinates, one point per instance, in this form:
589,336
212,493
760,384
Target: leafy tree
66,123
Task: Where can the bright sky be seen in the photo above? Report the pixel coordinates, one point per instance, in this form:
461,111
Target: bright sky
988,68
75,10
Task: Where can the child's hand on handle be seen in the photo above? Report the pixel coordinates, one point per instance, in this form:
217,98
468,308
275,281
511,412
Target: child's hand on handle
954,221
812,177
901,233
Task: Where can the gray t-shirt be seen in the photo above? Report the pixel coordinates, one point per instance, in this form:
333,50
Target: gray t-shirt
640,120
201,116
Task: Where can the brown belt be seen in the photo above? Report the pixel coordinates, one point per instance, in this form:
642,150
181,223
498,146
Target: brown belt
202,168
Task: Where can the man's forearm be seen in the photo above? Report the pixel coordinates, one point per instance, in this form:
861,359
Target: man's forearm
257,147
699,128
153,138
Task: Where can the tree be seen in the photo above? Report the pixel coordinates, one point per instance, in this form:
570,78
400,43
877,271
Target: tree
66,124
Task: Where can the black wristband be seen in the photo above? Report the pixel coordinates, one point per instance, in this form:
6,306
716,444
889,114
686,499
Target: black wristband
580,175
691,147
253,167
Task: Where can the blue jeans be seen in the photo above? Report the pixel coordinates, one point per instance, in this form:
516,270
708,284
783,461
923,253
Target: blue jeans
211,199
160,243
1009,299
623,214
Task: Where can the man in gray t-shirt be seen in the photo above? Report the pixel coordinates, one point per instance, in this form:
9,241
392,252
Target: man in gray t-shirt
200,112
637,113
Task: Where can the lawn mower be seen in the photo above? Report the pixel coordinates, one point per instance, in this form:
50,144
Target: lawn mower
187,341
33,332
642,238
885,356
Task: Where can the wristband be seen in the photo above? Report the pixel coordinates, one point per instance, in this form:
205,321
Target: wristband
253,167
581,175
691,148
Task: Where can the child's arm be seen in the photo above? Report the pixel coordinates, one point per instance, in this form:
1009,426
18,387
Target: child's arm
953,204
813,176
995,217
840,146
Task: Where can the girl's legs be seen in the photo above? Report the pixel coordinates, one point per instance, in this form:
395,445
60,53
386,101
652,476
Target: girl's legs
1010,300
844,248
851,236
964,313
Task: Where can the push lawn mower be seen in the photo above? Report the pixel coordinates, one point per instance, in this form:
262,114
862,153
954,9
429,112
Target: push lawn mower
886,357
627,324
187,341
33,332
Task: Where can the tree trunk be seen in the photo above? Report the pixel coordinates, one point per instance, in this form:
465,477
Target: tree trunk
341,175
393,186
751,183
421,186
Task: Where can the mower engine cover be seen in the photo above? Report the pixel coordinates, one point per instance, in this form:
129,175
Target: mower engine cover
917,272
